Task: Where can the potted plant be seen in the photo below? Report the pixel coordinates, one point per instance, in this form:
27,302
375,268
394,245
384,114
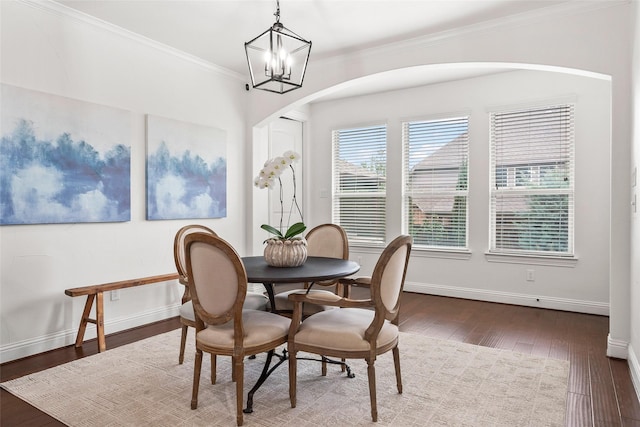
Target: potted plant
285,248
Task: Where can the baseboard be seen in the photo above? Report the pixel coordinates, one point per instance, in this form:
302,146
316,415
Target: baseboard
20,349
634,367
59,339
617,348
564,304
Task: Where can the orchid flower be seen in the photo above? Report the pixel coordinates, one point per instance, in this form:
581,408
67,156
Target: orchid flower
272,170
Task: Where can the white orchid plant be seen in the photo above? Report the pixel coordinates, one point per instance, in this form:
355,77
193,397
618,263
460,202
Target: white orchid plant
267,178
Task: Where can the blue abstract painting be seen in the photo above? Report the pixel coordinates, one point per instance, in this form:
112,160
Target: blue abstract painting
62,160
186,170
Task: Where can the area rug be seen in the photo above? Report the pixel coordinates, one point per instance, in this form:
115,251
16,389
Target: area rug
445,384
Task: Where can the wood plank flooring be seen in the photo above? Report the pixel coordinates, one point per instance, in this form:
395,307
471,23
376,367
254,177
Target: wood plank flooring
600,392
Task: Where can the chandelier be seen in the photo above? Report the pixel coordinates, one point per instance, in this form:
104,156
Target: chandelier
277,58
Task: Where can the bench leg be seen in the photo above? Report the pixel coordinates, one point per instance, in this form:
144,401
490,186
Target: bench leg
102,344
99,320
85,319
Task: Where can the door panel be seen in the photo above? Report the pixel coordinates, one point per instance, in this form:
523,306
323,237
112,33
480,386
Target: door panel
285,135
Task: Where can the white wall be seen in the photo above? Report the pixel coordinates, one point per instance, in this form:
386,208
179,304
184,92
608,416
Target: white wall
590,36
583,287
50,51
634,347
57,54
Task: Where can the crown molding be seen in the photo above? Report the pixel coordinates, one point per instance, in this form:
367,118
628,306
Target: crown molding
562,9
523,18
67,12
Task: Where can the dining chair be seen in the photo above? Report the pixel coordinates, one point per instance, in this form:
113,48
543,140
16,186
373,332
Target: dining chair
218,286
254,300
325,240
355,331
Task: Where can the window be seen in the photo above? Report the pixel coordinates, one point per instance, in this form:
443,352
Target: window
532,184
436,188
360,180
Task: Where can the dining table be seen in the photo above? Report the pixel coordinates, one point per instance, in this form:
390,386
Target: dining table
314,269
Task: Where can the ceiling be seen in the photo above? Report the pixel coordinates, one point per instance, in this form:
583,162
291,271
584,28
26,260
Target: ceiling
216,30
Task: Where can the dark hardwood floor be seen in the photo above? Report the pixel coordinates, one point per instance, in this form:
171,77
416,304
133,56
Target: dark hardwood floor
600,392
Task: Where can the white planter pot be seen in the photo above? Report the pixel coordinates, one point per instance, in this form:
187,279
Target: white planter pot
285,253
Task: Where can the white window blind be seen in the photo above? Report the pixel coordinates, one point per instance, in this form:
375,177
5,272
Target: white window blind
436,187
532,181
359,176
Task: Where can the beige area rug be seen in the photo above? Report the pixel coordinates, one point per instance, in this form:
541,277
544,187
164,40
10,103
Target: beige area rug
445,384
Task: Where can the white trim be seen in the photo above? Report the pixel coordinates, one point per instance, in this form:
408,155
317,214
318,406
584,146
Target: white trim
68,12
552,261
297,115
634,367
524,18
424,252
617,348
364,248
564,304
571,98
20,349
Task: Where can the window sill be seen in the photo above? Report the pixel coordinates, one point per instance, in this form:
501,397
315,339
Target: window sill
553,261
461,254
366,247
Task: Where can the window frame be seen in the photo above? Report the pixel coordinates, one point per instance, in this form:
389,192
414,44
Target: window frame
513,187
338,193
432,131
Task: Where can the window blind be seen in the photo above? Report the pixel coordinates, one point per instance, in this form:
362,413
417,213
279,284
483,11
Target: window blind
360,179
532,180
436,186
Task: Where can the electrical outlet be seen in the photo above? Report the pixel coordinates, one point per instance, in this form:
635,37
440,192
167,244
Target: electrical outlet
531,276
114,295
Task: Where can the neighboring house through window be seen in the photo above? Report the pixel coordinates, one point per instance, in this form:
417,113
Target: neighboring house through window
532,181
436,164
359,183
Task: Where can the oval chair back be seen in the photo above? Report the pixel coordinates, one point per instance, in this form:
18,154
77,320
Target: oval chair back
387,281
178,248
187,317
218,279
328,240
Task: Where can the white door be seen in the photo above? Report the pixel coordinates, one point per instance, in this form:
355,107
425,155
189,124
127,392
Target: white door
285,135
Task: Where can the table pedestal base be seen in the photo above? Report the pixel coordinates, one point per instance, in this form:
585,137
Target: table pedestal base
268,369
263,376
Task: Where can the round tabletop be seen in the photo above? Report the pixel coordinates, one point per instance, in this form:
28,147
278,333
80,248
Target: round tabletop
313,270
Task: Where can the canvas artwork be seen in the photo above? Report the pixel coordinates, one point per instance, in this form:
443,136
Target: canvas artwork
186,170
62,160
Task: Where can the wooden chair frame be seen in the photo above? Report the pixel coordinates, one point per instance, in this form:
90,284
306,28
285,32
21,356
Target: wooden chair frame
382,313
180,261
234,313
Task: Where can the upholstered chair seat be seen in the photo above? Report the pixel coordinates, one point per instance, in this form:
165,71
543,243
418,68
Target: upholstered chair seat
260,328
286,306
344,330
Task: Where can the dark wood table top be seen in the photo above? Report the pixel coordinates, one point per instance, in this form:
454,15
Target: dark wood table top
315,269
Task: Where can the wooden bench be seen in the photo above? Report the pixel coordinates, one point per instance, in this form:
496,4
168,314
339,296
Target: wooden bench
95,292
